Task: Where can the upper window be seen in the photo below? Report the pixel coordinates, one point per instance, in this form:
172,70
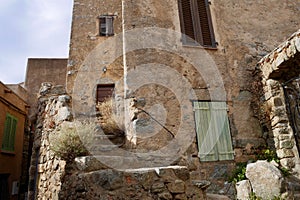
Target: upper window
10,128
106,25
213,133
196,23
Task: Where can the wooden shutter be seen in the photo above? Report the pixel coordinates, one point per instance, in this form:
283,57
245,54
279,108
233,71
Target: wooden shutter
106,25
6,135
104,92
10,128
213,133
222,130
205,132
206,30
186,19
109,25
13,134
102,26
196,24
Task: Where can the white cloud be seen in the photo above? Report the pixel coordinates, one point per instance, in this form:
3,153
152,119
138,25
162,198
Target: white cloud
32,28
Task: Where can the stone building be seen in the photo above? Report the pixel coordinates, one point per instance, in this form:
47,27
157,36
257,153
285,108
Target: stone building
182,74
137,47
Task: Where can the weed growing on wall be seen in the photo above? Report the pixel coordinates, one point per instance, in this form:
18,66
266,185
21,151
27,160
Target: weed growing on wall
109,121
67,144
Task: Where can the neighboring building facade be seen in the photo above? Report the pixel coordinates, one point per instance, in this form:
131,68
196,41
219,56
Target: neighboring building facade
40,70
13,116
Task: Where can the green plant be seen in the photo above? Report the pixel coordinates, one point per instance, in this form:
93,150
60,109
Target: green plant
285,172
253,196
69,142
269,155
239,173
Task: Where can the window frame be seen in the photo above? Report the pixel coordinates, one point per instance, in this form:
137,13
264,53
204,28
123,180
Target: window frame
222,149
9,134
198,39
106,28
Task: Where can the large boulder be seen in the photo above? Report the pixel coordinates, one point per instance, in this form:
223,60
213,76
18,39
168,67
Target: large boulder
266,179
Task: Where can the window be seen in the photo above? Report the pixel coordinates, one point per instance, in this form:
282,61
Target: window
106,25
196,24
104,92
10,127
213,133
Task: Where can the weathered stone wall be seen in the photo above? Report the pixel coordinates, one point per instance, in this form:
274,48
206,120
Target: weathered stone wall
147,184
278,67
46,169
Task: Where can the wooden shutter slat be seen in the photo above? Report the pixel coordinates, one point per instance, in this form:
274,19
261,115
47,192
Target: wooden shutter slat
224,143
204,22
187,18
213,133
104,92
205,133
13,134
7,128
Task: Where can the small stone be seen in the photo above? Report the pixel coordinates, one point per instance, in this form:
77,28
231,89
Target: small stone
285,153
64,114
41,168
287,163
45,88
243,189
64,98
297,44
180,197
158,187
287,144
165,195
177,187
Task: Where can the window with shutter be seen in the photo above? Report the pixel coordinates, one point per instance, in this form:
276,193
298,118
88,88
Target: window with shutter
196,24
10,128
213,133
104,92
106,25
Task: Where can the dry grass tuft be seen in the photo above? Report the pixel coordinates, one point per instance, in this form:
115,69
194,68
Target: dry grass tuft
109,121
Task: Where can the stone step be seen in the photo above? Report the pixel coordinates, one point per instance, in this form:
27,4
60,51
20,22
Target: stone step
99,148
127,161
104,136
217,197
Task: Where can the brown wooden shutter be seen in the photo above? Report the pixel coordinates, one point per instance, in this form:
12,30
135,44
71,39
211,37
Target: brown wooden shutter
104,92
196,23
187,24
205,23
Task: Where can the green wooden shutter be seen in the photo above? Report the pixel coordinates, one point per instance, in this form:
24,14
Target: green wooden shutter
205,132
224,143
6,135
13,134
213,133
8,143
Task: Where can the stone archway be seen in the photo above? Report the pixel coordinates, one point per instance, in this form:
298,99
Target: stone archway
277,68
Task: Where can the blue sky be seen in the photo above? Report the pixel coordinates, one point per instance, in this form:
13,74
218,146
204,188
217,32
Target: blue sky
32,29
